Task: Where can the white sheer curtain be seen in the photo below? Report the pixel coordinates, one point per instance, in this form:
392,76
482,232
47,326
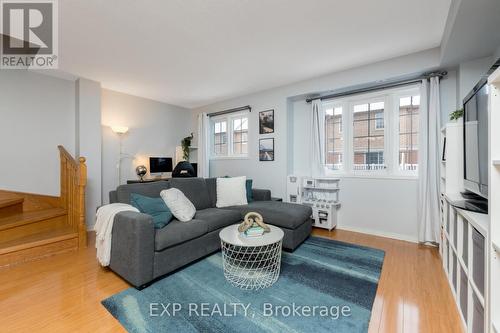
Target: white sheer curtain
429,169
203,145
317,139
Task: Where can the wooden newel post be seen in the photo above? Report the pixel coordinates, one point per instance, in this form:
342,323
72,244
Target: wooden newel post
82,183
64,173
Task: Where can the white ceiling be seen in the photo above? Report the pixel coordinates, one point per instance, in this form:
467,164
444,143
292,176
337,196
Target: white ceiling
196,52
471,31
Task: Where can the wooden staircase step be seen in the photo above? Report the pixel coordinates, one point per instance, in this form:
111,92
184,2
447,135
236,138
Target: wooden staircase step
10,204
42,238
25,218
7,202
36,246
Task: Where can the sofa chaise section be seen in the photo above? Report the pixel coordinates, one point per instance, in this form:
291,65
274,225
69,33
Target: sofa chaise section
293,219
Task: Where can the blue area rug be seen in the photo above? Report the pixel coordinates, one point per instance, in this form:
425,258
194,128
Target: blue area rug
324,286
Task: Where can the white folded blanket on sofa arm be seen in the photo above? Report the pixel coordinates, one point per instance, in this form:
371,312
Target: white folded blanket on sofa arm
104,225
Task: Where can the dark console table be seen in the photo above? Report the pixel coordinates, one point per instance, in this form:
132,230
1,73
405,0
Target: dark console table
151,180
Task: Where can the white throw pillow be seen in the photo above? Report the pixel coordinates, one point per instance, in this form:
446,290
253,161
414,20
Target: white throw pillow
179,205
231,192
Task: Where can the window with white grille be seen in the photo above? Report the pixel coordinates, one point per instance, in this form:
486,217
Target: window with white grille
229,135
368,136
334,139
374,133
240,136
220,138
409,107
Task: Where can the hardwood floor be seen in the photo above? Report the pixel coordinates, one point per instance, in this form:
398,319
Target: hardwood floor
413,294
63,293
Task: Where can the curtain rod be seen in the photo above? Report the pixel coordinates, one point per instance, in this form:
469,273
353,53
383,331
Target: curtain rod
392,84
218,113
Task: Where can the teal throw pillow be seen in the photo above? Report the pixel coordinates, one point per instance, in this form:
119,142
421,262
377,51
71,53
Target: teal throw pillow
249,190
155,207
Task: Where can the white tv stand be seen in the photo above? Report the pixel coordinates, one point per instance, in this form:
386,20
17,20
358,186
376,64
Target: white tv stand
464,254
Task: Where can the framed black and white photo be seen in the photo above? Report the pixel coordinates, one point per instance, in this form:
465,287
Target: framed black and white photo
266,122
266,149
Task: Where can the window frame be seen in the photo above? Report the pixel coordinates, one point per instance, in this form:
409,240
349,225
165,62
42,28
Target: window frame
390,97
341,132
228,118
212,142
233,131
376,97
377,127
400,94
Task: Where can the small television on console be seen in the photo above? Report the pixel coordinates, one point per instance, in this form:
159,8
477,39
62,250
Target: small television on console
160,164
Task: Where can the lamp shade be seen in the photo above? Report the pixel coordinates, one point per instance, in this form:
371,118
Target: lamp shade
119,129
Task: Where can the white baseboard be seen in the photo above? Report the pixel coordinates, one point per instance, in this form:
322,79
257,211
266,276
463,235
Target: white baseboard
380,233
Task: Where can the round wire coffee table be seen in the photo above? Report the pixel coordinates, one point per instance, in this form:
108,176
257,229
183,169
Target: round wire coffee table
251,262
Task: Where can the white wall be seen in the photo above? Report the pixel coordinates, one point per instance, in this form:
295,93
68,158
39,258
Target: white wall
449,99
40,112
496,56
470,73
88,141
37,114
155,129
387,207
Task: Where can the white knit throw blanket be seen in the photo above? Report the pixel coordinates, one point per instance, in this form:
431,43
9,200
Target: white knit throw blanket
104,225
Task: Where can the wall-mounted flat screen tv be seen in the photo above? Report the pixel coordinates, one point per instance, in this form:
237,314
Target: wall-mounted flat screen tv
476,140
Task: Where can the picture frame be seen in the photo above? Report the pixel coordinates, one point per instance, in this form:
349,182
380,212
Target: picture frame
266,149
443,157
266,121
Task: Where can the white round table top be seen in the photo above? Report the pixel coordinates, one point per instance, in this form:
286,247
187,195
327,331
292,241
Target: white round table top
232,236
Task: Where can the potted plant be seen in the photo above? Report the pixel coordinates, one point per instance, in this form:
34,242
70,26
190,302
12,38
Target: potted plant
457,114
185,144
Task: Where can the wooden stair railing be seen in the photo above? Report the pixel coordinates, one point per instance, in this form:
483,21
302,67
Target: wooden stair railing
73,182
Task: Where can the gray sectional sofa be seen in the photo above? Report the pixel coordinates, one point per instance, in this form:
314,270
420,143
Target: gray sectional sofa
140,253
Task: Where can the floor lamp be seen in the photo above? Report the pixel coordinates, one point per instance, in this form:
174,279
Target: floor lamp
121,131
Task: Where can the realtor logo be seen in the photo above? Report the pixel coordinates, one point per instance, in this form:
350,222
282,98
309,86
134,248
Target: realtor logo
29,34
